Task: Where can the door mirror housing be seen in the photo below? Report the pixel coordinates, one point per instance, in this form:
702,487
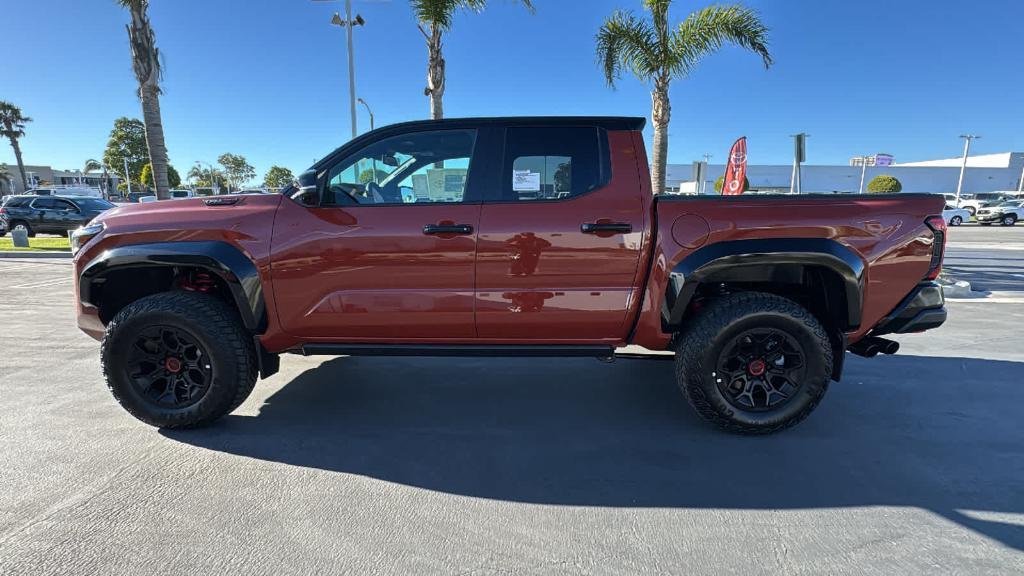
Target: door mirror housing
308,192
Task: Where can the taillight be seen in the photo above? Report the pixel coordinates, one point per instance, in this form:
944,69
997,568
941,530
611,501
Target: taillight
3,211
938,227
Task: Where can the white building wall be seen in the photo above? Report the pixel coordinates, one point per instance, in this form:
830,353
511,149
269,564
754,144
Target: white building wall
931,179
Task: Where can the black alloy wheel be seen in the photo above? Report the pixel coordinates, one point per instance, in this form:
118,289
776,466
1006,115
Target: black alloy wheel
168,367
760,369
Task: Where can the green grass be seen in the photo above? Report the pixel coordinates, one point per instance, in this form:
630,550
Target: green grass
36,244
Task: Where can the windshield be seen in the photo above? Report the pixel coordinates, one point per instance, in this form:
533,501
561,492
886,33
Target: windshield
93,204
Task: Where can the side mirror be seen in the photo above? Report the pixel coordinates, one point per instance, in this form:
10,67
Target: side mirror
389,160
308,193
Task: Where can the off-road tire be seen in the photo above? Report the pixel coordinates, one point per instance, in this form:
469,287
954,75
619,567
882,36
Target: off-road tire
713,327
218,330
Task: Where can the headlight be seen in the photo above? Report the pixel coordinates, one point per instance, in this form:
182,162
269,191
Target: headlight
82,235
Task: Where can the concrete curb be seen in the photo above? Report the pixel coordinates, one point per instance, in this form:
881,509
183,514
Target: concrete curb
35,254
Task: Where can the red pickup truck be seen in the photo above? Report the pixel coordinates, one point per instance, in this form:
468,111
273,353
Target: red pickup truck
504,237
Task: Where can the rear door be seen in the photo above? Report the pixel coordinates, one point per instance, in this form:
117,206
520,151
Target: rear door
560,237
41,214
389,254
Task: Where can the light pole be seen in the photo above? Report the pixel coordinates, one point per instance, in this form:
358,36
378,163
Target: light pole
963,166
703,187
1020,185
368,111
347,24
127,177
863,171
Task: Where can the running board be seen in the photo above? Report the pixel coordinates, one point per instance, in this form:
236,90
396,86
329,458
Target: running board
481,350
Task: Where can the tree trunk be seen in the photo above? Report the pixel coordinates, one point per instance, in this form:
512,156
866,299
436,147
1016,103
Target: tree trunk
21,165
435,73
146,65
661,111
150,96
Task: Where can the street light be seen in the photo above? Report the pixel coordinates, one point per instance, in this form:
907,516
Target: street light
963,166
368,111
347,24
863,171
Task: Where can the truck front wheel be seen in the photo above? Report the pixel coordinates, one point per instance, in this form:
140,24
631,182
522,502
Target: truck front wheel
178,359
753,363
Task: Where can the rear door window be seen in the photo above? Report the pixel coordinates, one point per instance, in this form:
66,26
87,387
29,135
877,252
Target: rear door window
553,163
43,204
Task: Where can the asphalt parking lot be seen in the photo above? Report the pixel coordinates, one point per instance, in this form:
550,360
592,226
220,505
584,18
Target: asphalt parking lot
913,464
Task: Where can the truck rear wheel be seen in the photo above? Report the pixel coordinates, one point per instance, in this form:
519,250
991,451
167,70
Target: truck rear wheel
178,359
754,363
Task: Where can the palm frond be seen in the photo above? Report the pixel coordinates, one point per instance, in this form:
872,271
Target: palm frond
707,30
625,42
441,12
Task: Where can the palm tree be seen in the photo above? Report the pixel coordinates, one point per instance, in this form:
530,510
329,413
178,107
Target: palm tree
436,16
12,127
146,65
656,53
89,166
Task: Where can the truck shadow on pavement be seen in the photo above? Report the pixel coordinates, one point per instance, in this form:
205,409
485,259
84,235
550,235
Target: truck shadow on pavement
942,434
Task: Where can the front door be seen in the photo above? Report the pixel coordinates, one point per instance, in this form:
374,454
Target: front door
389,254
560,237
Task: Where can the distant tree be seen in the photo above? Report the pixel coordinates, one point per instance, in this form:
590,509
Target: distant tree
367,176
721,182
434,19
563,177
12,127
91,166
146,63
206,178
173,179
884,184
127,142
237,169
278,177
657,53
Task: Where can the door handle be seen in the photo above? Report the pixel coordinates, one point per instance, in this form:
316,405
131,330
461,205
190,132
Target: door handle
447,229
605,227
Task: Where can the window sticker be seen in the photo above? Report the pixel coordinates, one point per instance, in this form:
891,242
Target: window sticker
525,181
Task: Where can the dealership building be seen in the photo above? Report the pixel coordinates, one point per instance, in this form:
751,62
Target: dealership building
985,173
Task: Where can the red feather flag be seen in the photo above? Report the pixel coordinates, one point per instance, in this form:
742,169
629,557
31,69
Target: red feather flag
736,169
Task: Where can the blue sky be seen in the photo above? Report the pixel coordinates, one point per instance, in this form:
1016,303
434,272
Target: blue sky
267,78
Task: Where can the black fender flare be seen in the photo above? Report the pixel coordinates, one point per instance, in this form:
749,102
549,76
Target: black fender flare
227,262
764,260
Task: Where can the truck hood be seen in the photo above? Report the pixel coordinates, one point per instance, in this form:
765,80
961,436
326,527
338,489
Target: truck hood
193,214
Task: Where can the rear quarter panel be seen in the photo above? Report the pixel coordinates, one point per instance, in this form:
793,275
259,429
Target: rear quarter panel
888,232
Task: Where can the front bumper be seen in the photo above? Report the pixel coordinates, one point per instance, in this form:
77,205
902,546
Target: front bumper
990,217
923,309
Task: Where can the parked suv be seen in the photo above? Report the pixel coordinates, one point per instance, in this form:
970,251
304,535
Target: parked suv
505,237
50,214
1006,213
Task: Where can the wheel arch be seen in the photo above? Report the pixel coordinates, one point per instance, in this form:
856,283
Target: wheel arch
153,266
834,272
